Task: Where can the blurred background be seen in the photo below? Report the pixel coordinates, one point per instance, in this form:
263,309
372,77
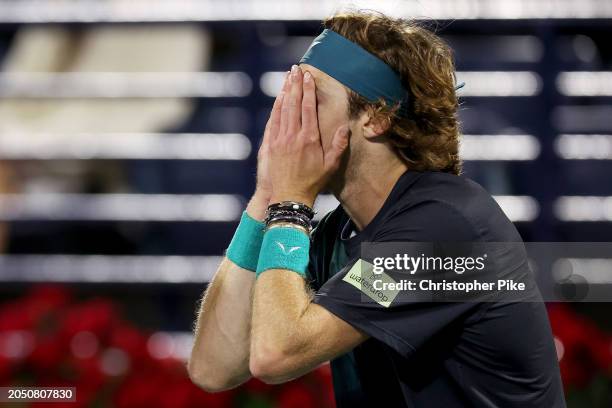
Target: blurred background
128,140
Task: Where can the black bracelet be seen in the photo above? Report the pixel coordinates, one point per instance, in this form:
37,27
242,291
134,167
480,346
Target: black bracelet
286,212
290,212
292,206
294,217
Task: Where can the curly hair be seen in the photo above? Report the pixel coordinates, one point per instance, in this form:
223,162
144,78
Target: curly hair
428,137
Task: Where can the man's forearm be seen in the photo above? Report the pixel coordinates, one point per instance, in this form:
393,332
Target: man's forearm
220,355
279,306
291,335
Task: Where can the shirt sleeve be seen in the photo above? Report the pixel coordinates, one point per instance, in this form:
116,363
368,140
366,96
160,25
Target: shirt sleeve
408,324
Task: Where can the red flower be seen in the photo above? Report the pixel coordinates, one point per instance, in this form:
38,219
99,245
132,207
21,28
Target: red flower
87,371
21,315
52,297
140,390
585,349
325,384
256,386
96,360
5,371
96,316
133,342
296,395
175,394
29,312
47,355
200,398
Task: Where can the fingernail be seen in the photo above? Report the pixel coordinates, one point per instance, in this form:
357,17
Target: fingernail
307,77
294,71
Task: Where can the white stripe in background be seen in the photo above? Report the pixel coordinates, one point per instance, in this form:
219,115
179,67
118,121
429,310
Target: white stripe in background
166,344
40,11
516,208
584,147
499,147
169,207
124,84
594,270
585,83
499,83
121,207
478,83
583,208
179,146
324,204
108,268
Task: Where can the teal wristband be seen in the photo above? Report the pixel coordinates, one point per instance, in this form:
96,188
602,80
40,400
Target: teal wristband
284,248
245,246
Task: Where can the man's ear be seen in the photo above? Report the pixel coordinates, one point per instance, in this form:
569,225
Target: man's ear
373,125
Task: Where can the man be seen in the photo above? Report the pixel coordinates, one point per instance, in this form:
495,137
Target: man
370,115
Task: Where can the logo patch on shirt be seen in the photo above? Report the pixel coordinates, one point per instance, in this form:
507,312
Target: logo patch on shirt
362,276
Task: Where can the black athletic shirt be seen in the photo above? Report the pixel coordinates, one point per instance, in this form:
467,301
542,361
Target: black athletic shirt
433,354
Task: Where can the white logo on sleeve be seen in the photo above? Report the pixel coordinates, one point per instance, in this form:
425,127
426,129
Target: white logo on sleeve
282,247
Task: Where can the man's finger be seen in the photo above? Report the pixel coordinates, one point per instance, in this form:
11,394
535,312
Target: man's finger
284,110
294,110
309,107
286,82
339,144
273,124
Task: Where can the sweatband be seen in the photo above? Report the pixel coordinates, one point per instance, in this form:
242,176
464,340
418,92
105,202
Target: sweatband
358,69
244,248
284,248
354,67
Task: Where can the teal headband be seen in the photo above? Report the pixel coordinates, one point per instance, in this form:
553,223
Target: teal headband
356,68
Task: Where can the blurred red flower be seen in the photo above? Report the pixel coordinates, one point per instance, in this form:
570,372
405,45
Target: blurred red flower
296,395
47,355
5,370
97,316
48,341
133,342
585,350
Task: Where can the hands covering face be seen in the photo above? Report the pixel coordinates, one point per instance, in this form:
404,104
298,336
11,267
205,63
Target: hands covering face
292,163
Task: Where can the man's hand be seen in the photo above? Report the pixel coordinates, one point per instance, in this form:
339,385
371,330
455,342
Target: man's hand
263,189
264,184
298,167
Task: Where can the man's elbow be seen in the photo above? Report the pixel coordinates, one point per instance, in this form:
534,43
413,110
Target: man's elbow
269,365
209,380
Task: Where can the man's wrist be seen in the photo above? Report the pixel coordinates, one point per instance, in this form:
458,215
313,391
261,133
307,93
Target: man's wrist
284,247
245,245
300,198
258,205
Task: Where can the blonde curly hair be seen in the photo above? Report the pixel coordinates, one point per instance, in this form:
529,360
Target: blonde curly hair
428,137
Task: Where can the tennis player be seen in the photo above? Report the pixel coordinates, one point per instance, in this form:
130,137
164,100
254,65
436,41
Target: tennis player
370,115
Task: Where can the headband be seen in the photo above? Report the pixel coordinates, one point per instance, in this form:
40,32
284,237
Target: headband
356,68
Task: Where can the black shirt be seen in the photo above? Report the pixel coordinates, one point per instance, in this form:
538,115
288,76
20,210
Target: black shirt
459,354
